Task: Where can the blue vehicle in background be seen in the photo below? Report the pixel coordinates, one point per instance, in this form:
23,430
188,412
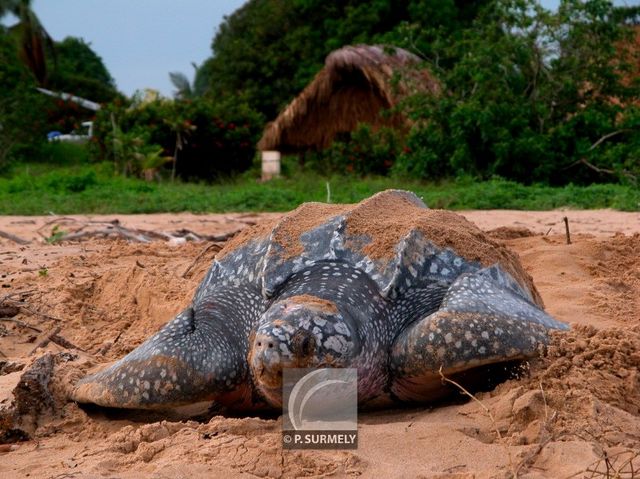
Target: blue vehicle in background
77,136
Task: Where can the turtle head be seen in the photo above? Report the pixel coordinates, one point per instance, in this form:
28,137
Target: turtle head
299,332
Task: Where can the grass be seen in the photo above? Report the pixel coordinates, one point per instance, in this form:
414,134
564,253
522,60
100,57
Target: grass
37,188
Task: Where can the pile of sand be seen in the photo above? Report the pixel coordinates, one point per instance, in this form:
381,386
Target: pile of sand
81,305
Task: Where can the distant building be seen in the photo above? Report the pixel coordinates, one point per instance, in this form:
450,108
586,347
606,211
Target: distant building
355,85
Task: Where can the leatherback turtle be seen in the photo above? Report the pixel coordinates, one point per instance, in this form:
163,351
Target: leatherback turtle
387,286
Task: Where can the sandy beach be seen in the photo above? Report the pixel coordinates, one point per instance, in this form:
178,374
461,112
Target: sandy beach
573,413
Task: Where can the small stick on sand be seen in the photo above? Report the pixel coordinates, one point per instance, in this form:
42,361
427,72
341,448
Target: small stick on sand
50,337
63,342
467,393
26,292
223,237
566,227
240,219
53,336
14,238
27,308
21,324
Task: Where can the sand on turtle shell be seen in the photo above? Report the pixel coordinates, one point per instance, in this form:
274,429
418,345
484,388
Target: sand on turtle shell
383,220
574,405
319,303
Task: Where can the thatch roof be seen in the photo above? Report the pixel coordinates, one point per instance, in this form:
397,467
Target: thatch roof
356,83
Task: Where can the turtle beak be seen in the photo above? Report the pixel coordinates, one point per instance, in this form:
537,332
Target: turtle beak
266,361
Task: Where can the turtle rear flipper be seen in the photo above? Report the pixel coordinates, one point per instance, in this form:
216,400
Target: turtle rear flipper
187,361
483,320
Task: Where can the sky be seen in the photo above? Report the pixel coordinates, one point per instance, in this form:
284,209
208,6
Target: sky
140,41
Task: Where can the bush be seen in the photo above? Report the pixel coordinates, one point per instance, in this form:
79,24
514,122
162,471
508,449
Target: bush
207,139
531,96
72,183
364,151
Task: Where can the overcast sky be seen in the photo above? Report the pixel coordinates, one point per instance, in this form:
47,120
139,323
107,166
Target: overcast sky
141,41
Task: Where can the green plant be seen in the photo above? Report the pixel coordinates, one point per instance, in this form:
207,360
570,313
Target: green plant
364,151
56,235
205,139
22,108
532,96
37,189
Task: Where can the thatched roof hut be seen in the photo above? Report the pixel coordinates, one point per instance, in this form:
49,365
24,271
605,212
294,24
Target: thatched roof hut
356,83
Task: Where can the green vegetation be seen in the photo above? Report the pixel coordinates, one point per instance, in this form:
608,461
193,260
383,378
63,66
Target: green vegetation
199,140
40,189
30,58
79,70
22,122
268,50
533,96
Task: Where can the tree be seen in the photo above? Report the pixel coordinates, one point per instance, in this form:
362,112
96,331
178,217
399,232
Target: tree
79,70
532,95
33,39
22,108
268,50
77,56
184,89
181,127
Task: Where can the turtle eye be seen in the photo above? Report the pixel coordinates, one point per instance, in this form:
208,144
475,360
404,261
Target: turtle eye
303,343
305,346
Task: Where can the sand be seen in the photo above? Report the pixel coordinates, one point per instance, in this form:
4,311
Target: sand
86,303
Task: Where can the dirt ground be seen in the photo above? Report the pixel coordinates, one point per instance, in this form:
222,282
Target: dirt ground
574,413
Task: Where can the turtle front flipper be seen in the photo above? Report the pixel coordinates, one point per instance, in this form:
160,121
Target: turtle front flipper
199,355
187,361
484,319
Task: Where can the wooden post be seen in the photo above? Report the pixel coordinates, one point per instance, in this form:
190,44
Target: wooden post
566,227
270,165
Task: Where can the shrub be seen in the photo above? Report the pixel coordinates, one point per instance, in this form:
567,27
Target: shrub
207,139
364,151
531,96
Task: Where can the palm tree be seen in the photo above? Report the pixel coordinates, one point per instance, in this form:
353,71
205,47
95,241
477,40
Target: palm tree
33,39
7,6
184,89
182,128
182,84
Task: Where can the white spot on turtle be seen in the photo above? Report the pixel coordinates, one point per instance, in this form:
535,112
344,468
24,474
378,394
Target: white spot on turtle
336,343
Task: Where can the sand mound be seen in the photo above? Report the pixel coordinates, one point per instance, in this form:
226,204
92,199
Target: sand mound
590,378
510,232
